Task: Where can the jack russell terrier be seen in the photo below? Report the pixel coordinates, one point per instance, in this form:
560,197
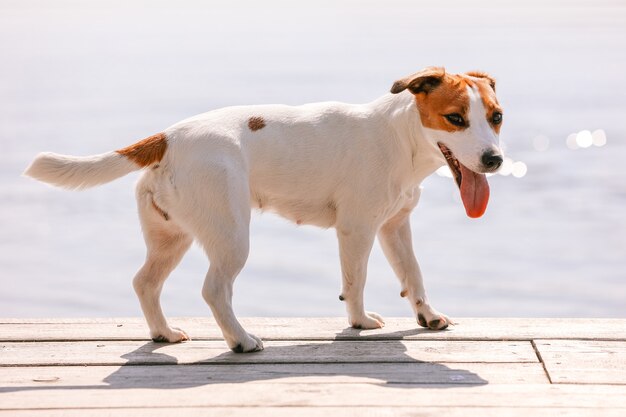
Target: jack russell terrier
356,168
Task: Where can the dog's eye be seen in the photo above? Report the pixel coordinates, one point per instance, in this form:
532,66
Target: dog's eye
496,118
456,119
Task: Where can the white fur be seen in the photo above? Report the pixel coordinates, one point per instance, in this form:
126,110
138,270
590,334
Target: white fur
356,168
77,172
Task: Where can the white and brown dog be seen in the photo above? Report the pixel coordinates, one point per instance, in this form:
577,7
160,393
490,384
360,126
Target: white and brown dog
356,168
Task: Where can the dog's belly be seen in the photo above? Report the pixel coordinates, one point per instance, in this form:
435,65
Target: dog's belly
298,211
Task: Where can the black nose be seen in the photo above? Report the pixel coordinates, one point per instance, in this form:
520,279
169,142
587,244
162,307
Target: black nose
491,160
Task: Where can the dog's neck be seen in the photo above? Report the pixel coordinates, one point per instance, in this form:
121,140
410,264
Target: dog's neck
404,120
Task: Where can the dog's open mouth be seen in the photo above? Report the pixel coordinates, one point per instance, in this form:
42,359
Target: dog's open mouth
473,185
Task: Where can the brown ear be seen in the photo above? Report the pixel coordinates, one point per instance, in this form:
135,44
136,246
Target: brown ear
480,74
422,81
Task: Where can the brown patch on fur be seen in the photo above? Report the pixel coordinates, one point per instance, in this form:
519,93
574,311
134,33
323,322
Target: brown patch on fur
481,74
160,210
438,94
147,151
450,96
490,101
423,80
255,123
403,293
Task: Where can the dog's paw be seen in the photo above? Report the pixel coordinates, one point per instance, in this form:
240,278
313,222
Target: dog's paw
251,343
368,321
171,335
432,319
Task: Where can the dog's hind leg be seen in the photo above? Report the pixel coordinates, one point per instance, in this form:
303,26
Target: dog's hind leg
227,259
395,240
220,219
166,244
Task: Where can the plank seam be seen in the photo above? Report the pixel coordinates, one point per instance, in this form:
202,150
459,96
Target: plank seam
349,339
543,364
32,365
565,407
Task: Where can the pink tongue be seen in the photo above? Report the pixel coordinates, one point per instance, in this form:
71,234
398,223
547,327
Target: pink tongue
474,192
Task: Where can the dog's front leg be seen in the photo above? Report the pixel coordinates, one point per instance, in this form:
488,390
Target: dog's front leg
355,245
396,242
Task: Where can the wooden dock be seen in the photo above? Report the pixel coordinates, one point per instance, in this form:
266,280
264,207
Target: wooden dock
315,367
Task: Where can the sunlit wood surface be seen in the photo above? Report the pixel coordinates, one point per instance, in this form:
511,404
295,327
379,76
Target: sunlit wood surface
315,367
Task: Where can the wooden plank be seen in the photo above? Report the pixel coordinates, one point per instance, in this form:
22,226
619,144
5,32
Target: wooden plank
177,376
362,351
318,329
361,372
502,411
584,362
323,395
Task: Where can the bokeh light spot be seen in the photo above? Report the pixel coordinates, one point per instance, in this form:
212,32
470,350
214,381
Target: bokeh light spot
584,139
571,141
519,169
598,137
506,168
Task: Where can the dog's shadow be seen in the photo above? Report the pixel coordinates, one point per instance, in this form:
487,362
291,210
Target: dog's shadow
348,358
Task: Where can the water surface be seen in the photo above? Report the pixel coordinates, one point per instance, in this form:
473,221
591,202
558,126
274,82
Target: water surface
84,78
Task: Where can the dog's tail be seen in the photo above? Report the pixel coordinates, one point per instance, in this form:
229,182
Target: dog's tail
78,172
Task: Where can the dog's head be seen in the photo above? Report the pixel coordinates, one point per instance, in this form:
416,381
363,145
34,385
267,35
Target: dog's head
461,116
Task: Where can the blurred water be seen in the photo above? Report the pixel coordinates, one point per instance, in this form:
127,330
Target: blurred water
84,78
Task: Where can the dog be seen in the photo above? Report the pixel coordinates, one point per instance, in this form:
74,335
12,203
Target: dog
356,168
